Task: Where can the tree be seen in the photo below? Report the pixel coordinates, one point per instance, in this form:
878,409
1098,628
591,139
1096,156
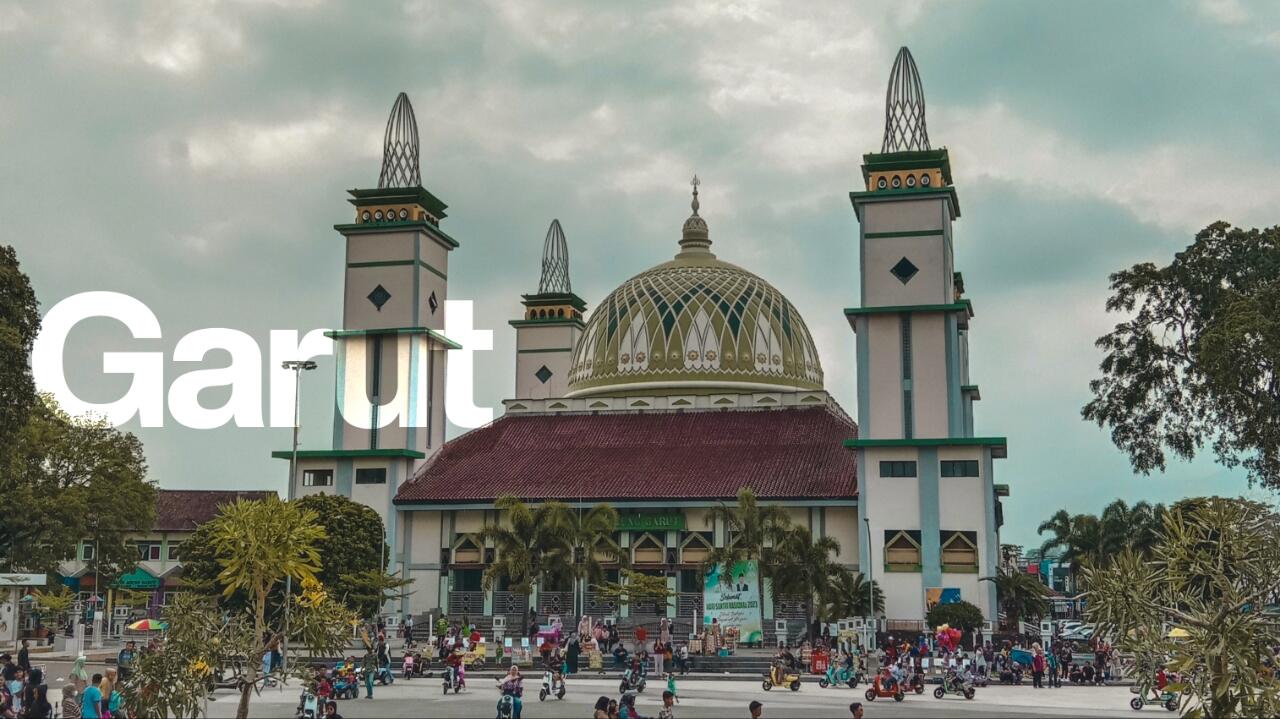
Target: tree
353,553
204,645
1198,361
960,615
19,325
1021,596
1125,527
809,570
1215,569
200,570
591,537
751,531
1079,537
532,543
75,478
635,587
848,596
259,543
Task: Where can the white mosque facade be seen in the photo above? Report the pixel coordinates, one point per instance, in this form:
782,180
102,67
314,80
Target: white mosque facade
692,379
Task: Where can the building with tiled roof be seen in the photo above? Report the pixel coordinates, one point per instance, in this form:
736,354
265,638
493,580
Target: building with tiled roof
159,568
692,380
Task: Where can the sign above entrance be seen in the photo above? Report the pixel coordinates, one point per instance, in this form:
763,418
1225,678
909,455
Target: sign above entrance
138,579
651,522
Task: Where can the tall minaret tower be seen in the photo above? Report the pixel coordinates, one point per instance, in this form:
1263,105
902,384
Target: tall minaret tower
550,327
391,352
925,481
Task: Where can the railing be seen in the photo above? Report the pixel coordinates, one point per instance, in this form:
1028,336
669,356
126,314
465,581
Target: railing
600,606
556,604
512,605
790,607
689,606
904,625
466,603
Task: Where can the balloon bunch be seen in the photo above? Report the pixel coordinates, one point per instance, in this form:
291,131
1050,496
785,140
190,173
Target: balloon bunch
947,637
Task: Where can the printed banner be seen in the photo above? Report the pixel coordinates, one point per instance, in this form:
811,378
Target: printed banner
736,602
933,596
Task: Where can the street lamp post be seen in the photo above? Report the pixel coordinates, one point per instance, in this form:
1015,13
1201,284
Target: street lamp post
871,586
298,366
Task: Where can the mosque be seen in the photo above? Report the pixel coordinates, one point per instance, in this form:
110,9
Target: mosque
691,380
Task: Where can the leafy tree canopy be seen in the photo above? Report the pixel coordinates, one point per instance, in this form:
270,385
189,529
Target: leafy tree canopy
19,325
353,553
961,615
1198,361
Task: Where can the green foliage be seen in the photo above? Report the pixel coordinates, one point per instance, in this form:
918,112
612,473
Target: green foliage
960,615
353,553
1196,363
75,479
259,543
548,542
635,587
1021,596
753,531
806,567
19,325
1088,539
57,602
1213,571
848,596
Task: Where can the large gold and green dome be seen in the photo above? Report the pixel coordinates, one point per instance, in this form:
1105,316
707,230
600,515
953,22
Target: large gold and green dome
692,325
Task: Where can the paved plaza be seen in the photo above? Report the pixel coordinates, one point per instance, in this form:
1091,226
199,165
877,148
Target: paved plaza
702,698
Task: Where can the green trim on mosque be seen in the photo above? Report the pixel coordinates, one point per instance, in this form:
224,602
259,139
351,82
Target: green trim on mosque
930,442
903,568
364,228
911,233
548,322
544,299
859,197
911,160
961,306
393,195
398,263
349,453
544,349
435,335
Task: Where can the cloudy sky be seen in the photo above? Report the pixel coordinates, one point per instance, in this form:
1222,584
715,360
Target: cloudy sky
195,155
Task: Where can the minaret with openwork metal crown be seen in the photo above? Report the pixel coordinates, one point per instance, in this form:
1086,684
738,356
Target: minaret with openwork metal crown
924,478
391,351
551,325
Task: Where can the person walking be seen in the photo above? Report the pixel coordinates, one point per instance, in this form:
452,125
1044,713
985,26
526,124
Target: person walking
1051,659
1037,668
24,657
370,671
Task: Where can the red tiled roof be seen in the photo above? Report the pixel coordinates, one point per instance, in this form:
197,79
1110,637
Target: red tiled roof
780,454
181,510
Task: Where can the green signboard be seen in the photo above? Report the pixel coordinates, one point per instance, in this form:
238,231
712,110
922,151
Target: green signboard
138,579
651,522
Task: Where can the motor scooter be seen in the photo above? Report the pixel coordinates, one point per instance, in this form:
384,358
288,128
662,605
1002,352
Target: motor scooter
953,683
551,684
454,679
779,676
632,681
1142,697
878,689
916,683
308,706
507,702
839,675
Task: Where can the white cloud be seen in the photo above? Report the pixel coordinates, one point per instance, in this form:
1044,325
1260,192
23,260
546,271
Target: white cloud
239,147
179,38
1227,12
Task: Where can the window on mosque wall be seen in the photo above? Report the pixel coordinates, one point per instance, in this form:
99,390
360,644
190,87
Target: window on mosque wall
467,551
959,468
902,550
691,580
696,548
174,551
371,475
317,478
148,551
897,469
959,551
604,555
468,580
87,552
648,550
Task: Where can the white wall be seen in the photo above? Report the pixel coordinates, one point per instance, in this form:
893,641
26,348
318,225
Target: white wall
929,375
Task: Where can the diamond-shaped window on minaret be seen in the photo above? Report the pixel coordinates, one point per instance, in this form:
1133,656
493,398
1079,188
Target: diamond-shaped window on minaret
543,374
904,270
379,297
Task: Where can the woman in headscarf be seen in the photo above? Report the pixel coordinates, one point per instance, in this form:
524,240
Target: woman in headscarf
79,677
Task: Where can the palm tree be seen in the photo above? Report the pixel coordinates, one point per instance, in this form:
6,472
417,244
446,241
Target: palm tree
1137,527
1080,537
751,533
590,536
1021,596
848,595
532,543
806,567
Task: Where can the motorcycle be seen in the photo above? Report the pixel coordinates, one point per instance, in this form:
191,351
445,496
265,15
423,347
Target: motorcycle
308,706
839,675
632,681
879,690
954,684
1142,697
454,679
779,676
406,667
551,684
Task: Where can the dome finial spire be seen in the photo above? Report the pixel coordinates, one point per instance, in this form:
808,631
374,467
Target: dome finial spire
400,165
695,239
904,126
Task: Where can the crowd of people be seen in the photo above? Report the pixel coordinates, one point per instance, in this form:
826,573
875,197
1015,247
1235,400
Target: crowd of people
25,690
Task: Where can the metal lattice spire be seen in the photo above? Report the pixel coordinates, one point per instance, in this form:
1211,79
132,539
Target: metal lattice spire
904,127
400,167
555,262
